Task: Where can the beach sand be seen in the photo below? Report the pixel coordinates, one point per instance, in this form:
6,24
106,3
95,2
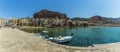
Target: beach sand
14,40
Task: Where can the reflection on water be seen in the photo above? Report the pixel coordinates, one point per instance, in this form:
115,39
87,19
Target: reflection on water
95,35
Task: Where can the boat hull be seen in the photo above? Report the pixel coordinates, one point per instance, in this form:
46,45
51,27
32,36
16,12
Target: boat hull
62,40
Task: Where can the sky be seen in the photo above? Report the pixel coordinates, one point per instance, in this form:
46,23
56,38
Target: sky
73,8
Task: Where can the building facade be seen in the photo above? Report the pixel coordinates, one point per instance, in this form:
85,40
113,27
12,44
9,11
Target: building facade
13,22
3,22
24,22
19,22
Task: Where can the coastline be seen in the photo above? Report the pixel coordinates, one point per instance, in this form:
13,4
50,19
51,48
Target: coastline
14,40
63,27
32,27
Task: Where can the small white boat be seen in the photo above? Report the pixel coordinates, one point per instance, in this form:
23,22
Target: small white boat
45,31
61,39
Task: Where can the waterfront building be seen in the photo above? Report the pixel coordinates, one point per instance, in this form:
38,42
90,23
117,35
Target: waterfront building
13,22
76,23
91,24
69,23
84,23
3,22
31,21
24,21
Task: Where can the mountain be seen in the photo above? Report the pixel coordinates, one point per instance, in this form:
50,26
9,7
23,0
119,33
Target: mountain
114,20
49,14
99,19
103,20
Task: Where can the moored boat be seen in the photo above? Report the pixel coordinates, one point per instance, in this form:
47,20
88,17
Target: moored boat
45,31
61,39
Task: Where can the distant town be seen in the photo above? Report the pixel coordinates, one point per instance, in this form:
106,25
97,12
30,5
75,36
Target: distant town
47,18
